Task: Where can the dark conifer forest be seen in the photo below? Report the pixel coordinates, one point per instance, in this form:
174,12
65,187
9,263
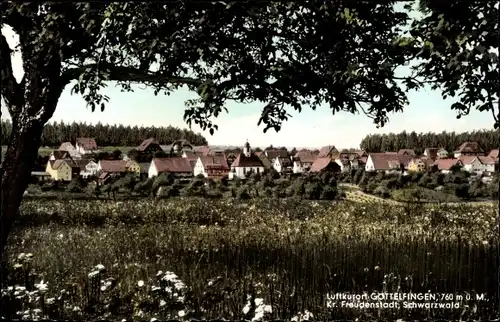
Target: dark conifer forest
108,135
450,141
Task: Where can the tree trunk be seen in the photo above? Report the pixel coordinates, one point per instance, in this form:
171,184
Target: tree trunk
20,157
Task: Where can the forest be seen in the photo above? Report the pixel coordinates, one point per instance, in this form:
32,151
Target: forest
450,141
108,135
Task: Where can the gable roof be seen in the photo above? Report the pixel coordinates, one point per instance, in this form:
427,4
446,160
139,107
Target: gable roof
243,161
216,161
469,147
493,154
305,156
431,152
468,159
327,151
321,163
487,160
87,143
65,146
113,166
446,164
285,162
174,165
146,143
193,155
275,153
265,160
59,155
389,161
58,164
407,152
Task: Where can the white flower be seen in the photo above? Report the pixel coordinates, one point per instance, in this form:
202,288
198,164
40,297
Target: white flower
99,267
159,273
76,309
140,283
181,313
42,287
163,303
154,319
93,274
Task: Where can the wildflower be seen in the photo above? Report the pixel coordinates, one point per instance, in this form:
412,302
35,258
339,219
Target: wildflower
159,273
163,303
76,309
140,283
50,301
42,287
181,313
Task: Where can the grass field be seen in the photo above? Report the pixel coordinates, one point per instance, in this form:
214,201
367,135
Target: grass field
287,256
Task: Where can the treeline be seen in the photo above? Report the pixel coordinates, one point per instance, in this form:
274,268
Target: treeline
450,141
108,135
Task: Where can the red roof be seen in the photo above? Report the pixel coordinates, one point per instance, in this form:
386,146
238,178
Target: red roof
66,146
174,165
244,161
487,160
327,151
113,166
144,145
493,154
305,156
389,160
273,153
407,152
321,163
446,164
87,143
59,155
190,155
431,152
218,161
467,159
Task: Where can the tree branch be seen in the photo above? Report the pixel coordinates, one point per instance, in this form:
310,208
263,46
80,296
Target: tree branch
128,74
11,91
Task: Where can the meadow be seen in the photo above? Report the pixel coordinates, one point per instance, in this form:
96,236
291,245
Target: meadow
188,258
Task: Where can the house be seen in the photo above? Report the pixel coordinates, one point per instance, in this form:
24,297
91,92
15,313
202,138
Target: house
230,157
67,146
306,158
178,147
213,167
329,151
86,145
59,170
265,160
361,153
494,154
246,163
178,166
149,146
344,164
409,152
420,164
112,167
489,164
144,168
442,153
59,155
133,167
88,168
472,164
192,157
468,148
298,166
431,153
272,154
388,162
445,165
282,164
324,164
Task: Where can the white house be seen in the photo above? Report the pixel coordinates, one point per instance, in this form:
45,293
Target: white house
178,166
345,164
86,145
282,164
472,164
90,169
245,164
488,164
297,166
214,166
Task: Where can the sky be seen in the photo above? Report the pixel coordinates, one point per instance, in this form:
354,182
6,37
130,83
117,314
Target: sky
427,112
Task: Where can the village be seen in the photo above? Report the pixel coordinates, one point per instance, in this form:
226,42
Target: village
184,161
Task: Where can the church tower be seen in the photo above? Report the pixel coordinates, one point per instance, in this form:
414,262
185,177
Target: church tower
246,149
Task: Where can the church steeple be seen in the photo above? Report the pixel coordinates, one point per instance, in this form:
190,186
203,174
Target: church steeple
246,149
